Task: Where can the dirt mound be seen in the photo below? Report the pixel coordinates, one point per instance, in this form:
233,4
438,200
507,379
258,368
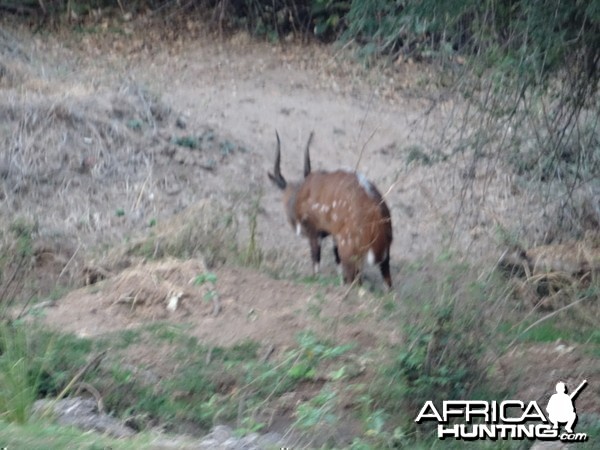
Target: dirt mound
147,292
250,306
157,290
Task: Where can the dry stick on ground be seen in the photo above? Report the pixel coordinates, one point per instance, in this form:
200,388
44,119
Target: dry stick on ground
82,385
216,305
139,197
69,262
362,125
92,363
267,354
40,305
365,146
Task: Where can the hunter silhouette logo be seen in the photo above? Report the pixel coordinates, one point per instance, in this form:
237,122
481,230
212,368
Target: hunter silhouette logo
561,408
509,419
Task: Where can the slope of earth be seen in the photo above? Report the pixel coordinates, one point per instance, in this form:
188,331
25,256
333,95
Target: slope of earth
244,91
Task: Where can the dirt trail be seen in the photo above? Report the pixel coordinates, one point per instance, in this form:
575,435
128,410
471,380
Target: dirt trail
248,90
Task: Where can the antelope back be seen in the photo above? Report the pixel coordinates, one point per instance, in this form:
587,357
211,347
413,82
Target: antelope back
346,205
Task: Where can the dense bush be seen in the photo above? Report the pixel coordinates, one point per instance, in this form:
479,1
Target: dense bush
532,39
544,35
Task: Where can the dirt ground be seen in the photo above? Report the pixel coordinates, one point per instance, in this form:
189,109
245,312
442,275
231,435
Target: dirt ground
91,179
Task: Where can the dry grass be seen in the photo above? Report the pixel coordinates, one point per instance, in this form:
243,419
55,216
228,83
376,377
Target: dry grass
206,229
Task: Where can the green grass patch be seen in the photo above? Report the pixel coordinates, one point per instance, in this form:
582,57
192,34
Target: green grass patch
557,329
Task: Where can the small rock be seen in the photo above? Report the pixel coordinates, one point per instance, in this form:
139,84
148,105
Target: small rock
83,413
269,440
209,443
221,433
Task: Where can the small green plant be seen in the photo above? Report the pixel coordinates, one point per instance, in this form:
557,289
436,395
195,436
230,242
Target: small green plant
120,212
319,410
135,124
210,278
311,353
204,278
416,154
227,148
190,142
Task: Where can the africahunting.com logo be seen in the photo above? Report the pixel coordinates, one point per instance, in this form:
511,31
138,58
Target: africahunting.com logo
509,419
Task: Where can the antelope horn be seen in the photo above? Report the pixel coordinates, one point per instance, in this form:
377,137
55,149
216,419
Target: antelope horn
276,176
307,156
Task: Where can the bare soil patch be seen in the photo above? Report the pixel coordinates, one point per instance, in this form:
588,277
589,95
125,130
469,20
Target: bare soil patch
252,306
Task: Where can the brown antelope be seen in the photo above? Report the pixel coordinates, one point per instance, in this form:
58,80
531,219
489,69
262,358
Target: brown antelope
342,204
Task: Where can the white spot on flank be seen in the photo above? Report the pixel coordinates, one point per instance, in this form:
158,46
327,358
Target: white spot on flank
371,257
334,203
334,217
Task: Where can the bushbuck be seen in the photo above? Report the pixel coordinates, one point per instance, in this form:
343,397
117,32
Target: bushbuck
342,204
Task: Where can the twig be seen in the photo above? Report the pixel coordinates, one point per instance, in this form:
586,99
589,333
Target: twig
392,186
69,262
362,123
92,363
268,353
40,305
216,306
92,390
139,198
365,146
